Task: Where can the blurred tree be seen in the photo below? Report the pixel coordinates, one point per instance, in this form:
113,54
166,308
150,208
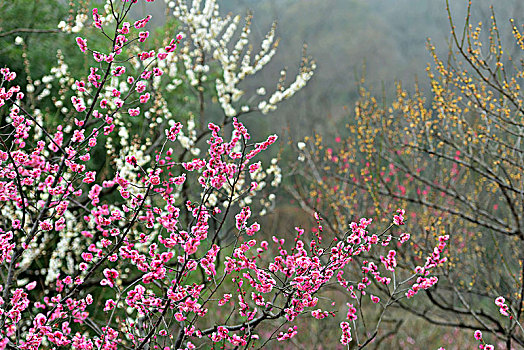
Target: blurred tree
31,22
454,159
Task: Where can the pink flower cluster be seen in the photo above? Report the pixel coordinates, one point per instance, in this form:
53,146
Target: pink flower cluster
483,345
148,250
503,307
399,218
432,261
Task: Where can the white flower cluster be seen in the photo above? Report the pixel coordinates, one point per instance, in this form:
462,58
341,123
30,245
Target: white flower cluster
63,257
74,27
204,26
283,93
301,147
69,244
211,36
275,170
108,18
78,23
188,141
261,176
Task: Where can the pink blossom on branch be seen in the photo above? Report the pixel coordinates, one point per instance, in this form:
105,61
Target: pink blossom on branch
145,252
82,43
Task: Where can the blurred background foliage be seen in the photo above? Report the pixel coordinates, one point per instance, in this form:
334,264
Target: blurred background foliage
385,40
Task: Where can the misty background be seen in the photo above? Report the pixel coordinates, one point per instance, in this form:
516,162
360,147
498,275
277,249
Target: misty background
384,40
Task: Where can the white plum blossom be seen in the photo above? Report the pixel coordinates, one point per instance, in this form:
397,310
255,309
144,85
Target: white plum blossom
211,36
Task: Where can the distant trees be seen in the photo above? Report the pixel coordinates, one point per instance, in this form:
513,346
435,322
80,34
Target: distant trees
454,157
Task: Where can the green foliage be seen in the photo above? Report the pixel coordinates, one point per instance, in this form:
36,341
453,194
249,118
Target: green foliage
20,18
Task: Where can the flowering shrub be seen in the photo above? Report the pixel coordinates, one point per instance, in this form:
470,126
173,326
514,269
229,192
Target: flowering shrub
153,269
452,157
158,251
123,226
504,310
